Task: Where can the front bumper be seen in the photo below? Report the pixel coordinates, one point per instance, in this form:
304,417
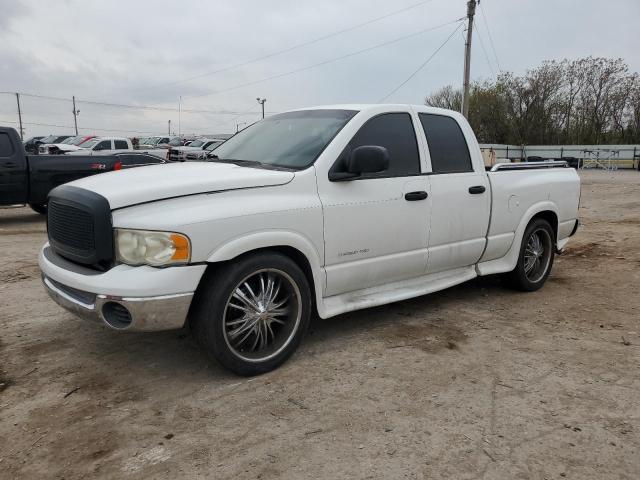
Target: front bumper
121,297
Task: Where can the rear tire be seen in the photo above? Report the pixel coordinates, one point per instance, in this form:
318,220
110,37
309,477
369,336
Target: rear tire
536,257
251,314
40,208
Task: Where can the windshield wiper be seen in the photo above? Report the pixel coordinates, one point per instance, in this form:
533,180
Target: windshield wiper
247,163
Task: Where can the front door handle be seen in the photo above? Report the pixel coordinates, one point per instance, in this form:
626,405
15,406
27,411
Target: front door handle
477,189
414,196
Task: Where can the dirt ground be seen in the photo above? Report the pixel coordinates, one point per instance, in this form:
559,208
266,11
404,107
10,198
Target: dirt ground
475,382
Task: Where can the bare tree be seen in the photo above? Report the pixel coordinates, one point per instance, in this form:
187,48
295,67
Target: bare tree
590,100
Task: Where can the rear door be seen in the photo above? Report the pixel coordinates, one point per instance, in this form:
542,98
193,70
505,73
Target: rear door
120,145
460,196
13,170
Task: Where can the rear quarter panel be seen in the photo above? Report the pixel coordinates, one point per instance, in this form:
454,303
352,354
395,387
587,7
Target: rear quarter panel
48,171
518,195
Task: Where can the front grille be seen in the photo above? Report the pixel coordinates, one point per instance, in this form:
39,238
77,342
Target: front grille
71,226
79,226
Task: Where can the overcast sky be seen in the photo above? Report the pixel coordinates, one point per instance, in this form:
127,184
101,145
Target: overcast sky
143,52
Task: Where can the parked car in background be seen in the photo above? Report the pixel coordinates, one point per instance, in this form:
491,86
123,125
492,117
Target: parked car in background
203,154
31,145
154,142
27,179
179,154
51,139
104,146
70,144
181,141
326,210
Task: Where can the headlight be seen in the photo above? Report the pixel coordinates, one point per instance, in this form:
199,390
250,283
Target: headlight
142,247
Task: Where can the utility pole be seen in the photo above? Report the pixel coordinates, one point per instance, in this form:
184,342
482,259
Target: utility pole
19,116
471,11
238,126
179,113
261,102
75,114
169,129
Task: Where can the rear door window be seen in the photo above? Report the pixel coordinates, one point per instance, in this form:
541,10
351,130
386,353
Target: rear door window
6,147
121,145
447,146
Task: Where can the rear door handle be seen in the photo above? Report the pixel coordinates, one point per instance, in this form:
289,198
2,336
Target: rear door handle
414,196
477,189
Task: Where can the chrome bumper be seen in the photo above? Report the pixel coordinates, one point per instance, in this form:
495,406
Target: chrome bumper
164,312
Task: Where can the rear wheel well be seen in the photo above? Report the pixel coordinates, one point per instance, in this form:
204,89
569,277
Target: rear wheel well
550,217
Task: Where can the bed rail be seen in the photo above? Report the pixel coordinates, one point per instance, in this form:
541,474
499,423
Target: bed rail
528,165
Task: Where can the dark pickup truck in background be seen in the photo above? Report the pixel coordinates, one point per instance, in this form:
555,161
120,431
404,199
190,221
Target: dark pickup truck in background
28,179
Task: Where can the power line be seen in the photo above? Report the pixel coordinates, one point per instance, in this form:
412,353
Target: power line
294,47
486,56
486,24
424,64
70,127
125,105
325,62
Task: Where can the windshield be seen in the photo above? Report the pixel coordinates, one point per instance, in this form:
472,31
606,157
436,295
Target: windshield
292,139
70,141
212,146
49,139
91,143
196,143
175,142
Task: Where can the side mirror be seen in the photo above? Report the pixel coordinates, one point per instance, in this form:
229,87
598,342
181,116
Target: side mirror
364,159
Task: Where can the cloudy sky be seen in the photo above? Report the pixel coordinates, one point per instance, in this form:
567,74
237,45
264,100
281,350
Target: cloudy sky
220,56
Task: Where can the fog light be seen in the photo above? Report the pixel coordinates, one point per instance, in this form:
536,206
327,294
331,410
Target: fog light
116,315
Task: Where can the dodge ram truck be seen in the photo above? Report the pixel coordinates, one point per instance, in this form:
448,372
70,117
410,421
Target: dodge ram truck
28,179
317,211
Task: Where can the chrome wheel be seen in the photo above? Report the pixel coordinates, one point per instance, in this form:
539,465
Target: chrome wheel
262,315
537,255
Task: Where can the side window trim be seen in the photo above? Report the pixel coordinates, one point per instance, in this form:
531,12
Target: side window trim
428,147
375,176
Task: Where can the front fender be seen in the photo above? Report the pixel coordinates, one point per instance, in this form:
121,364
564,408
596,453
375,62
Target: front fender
273,238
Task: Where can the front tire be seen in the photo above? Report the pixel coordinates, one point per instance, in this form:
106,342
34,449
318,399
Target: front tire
251,314
40,208
536,257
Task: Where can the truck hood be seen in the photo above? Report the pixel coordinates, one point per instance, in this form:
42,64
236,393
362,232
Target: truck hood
124,188
186,148
67,148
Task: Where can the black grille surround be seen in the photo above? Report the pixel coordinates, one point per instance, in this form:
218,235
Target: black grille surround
79,226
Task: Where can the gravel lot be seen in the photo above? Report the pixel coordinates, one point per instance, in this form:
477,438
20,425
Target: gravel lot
474,382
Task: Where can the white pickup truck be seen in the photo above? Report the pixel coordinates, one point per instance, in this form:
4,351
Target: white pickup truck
326,210
103,146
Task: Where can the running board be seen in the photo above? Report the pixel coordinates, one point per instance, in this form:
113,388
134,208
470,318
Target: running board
393,292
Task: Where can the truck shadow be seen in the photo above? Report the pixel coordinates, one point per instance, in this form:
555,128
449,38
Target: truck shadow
430,323
21,217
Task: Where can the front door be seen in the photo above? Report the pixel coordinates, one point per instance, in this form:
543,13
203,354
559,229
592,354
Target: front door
376,227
